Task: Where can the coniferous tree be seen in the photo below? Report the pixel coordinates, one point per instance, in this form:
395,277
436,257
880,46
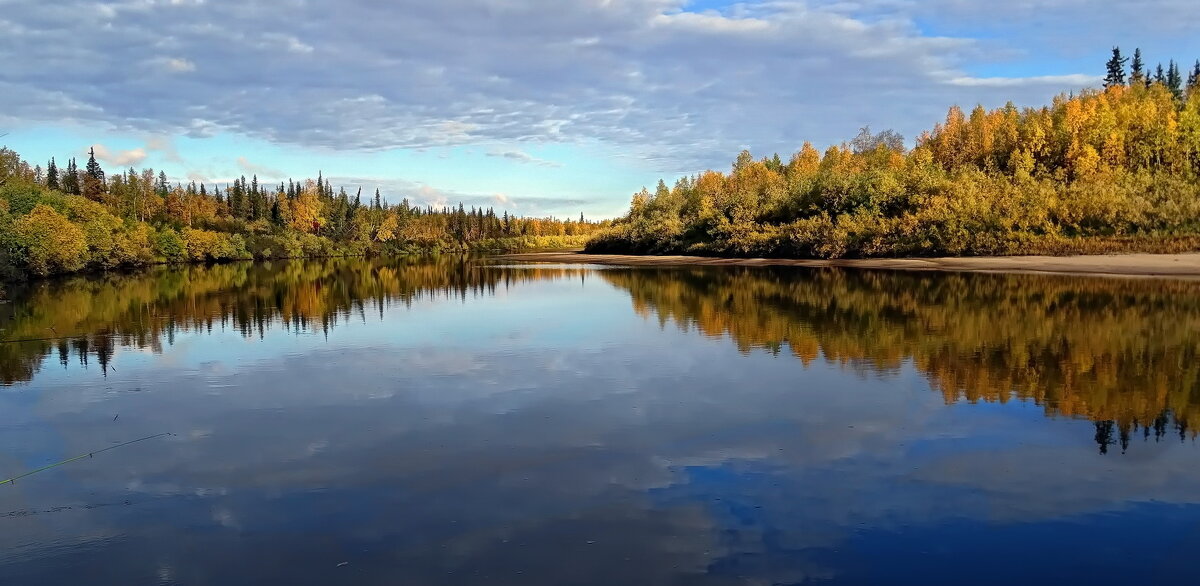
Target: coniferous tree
93,179
1116,69
70,181
237,200
1175,80
1194,77
1137,73
52,175
1159,75
378,201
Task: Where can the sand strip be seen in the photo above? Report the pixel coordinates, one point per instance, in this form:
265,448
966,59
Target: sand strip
1129,265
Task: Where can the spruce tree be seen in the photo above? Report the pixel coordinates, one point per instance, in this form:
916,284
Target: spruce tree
93,179
1116,69
1175,80
70,181
1137,72
52,175
1159,76
237,200
378,200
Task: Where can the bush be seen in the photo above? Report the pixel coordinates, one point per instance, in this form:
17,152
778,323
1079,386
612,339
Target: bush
169,246
50,243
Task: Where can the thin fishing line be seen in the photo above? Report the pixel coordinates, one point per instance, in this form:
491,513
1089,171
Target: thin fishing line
80,457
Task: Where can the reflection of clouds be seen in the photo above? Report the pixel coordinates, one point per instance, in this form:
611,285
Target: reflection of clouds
628,455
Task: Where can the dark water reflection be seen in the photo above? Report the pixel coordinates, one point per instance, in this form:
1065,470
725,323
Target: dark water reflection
456,422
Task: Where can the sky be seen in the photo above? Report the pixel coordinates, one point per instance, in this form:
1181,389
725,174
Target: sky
534,106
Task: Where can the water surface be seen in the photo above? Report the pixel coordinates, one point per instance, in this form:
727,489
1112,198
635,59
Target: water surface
455,422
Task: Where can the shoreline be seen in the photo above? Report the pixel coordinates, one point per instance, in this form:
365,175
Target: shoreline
1174,266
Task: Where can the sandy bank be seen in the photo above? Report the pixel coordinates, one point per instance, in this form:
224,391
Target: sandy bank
1130,265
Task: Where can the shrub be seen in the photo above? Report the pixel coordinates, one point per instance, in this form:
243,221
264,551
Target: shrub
169,246
50,242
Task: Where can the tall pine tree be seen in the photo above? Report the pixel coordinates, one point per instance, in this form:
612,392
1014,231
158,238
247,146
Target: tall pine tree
93,179
1137,73
1116,69
70,181
52,175
1175,80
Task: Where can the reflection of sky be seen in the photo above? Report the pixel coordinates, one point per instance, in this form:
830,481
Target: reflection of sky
548,435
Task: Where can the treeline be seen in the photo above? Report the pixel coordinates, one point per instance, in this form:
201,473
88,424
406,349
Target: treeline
1104,170
60,220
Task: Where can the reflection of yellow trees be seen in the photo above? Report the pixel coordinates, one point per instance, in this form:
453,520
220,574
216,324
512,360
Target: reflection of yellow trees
1110,350
86,317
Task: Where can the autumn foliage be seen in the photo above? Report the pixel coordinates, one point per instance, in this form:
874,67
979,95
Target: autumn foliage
64,220
1112,169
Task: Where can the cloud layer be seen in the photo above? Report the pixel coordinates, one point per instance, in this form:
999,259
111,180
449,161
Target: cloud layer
673,85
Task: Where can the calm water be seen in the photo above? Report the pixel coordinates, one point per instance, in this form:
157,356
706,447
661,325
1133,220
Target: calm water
454,422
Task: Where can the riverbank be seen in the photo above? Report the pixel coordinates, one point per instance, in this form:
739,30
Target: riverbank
1183,266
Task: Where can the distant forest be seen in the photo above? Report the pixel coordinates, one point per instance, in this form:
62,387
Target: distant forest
1114,169
64,219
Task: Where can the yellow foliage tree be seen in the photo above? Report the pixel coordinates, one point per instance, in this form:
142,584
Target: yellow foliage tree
52,243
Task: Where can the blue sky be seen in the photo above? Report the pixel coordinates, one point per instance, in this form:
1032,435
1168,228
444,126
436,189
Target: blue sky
535,106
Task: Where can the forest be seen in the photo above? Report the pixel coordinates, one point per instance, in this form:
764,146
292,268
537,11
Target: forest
62,220
1103,170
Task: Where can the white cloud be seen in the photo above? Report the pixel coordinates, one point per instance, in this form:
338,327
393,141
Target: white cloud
523,157
1075,80
166,146
675,90
178,65
127,158
262,171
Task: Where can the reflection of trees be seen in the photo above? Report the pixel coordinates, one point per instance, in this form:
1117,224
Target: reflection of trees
1120,352
1123,353
86,318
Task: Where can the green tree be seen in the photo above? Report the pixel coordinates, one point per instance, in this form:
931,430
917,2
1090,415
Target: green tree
1137,73
1116,69
70,181
93,179
52,175
1175,80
